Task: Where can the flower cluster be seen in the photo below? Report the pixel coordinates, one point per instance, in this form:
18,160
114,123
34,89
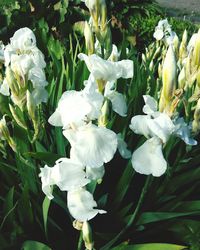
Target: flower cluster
82,115
24,64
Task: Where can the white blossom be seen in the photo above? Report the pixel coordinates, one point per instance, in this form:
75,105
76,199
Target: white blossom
67,174
82,205
163,31
148,158
106,70
77,107
91,145
117,99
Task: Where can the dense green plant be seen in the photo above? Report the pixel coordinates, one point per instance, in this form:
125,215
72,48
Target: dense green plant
146,209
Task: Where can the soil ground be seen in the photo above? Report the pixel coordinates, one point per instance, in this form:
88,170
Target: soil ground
186,9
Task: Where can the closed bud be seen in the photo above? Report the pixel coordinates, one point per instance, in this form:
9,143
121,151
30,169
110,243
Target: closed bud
181,79
176,43
31,107
103,14
196,121
169,75
89,39
196,52
143,58
151,65
198,78
160,70
5,134
183,47
103,119
87,235
12,82
19,119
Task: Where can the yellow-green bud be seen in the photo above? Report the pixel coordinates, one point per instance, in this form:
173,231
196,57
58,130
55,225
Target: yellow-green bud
103,119
176,44
169,74
31,107
103,15
183,47
196,122
87,235
196,52
5,134
19,120
12,81
89,39
181,79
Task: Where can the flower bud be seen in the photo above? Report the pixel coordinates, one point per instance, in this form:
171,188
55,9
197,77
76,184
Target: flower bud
196,122
183,47
169,75
89,40
181,79
198,78
19,120
176,44
94,8
196,52
103,119
87,235
31,107
103,14
12,81
5,134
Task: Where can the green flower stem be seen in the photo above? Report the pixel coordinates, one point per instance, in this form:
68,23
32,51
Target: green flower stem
80,241
134,215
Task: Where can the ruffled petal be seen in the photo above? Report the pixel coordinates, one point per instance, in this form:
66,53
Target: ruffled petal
118,103
122,147
148,159
183,131
106,70
40,95
4,88
161,126
150,106
94,98
37,76
73,109
23,39
139,125
91,145
47,181
69,175
81,205
95,173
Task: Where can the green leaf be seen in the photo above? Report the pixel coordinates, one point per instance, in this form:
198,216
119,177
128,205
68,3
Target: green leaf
8,208
34,245
49,158
45,210
150,246
149,217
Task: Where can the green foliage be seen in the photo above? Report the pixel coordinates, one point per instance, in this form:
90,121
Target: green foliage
147,210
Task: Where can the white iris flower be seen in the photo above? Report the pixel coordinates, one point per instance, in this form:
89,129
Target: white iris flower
157,127
106,70
67,174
